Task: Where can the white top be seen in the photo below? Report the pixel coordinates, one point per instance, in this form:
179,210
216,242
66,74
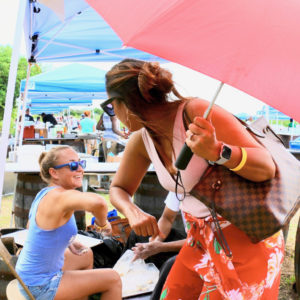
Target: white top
172,202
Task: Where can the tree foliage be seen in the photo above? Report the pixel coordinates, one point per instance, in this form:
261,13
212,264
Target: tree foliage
5,58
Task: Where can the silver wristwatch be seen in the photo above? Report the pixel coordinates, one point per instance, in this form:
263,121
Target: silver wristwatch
225,155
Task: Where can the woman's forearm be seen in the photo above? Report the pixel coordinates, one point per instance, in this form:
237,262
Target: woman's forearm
121,200
259,165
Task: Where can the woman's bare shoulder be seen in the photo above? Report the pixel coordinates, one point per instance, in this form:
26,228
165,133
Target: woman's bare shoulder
196,107
136,144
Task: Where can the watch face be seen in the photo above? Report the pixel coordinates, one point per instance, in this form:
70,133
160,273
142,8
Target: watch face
226,152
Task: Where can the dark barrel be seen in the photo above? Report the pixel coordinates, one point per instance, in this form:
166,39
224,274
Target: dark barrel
27,186
297,258
150,197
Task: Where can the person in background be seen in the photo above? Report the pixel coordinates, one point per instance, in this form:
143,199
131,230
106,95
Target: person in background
49,118
73,123
141,95
28,117
291,124
87,125
52,263
39,123
109,123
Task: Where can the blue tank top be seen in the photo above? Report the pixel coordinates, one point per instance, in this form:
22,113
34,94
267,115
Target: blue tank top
43,253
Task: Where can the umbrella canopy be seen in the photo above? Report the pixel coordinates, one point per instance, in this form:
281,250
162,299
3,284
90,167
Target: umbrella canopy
252,45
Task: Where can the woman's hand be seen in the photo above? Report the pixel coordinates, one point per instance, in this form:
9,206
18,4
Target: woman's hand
144,250
77,248
201,138
107,231
143,224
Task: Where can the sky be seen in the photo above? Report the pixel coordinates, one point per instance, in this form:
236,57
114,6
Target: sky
188,82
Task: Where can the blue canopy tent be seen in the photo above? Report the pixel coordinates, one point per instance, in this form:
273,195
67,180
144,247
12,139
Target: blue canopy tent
73,83
79,35
82,36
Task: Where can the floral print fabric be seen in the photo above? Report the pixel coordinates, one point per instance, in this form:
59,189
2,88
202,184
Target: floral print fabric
203,271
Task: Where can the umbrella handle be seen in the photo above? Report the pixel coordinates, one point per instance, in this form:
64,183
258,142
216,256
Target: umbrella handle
186,153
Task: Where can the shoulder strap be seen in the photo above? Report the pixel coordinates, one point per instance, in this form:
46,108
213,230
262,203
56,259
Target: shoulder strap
185,117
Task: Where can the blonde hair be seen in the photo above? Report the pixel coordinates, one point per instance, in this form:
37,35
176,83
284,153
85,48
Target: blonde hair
48,160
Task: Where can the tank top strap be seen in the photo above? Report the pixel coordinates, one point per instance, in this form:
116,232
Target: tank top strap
38,198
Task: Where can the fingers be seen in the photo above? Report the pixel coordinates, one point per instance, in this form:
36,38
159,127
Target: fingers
146,227
201,125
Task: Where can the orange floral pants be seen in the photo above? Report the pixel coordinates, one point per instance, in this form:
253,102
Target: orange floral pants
203,271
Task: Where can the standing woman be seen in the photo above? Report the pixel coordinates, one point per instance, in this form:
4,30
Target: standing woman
47,267
140,94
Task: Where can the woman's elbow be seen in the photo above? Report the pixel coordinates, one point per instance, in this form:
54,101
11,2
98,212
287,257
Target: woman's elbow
100,204
268,172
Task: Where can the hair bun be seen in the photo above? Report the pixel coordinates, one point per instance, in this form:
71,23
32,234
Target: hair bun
154,82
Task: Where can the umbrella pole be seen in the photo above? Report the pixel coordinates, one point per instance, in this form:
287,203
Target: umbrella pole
186,153
206,113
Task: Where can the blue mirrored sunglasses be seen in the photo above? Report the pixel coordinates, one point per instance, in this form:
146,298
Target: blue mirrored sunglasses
74,165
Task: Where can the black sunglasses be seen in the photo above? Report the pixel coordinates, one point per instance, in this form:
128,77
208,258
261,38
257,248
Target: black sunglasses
107,106
74,165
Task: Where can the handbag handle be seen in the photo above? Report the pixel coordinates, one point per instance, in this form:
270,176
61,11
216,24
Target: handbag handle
256,133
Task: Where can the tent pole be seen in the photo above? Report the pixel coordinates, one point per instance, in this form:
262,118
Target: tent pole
24,105
10,91
17,127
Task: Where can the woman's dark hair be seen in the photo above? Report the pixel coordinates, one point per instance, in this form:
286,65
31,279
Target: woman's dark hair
144,87
48,160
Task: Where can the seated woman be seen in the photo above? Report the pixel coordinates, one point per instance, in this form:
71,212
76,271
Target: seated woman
46,267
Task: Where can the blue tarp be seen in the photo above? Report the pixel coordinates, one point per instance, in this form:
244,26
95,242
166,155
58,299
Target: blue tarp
82,36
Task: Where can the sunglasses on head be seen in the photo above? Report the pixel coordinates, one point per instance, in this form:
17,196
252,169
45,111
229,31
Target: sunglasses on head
73,165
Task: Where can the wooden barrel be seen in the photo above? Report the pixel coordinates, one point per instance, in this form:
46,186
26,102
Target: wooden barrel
27,186
297,259
150,197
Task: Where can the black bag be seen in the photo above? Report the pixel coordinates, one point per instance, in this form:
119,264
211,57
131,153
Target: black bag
107,253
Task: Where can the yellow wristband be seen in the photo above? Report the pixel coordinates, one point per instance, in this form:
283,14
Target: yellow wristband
97,227
243,161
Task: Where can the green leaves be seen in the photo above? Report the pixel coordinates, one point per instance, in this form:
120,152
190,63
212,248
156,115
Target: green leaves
5,58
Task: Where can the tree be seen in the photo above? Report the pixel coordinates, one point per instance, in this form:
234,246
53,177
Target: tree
5,57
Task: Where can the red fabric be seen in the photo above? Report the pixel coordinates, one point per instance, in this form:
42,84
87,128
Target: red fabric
203,271
252,45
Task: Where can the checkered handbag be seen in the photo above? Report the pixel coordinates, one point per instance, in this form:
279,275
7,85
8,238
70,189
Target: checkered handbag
260,209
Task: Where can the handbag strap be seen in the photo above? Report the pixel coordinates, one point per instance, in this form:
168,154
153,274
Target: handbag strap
222,240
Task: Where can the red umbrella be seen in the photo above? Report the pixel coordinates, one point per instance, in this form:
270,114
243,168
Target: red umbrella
252,45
